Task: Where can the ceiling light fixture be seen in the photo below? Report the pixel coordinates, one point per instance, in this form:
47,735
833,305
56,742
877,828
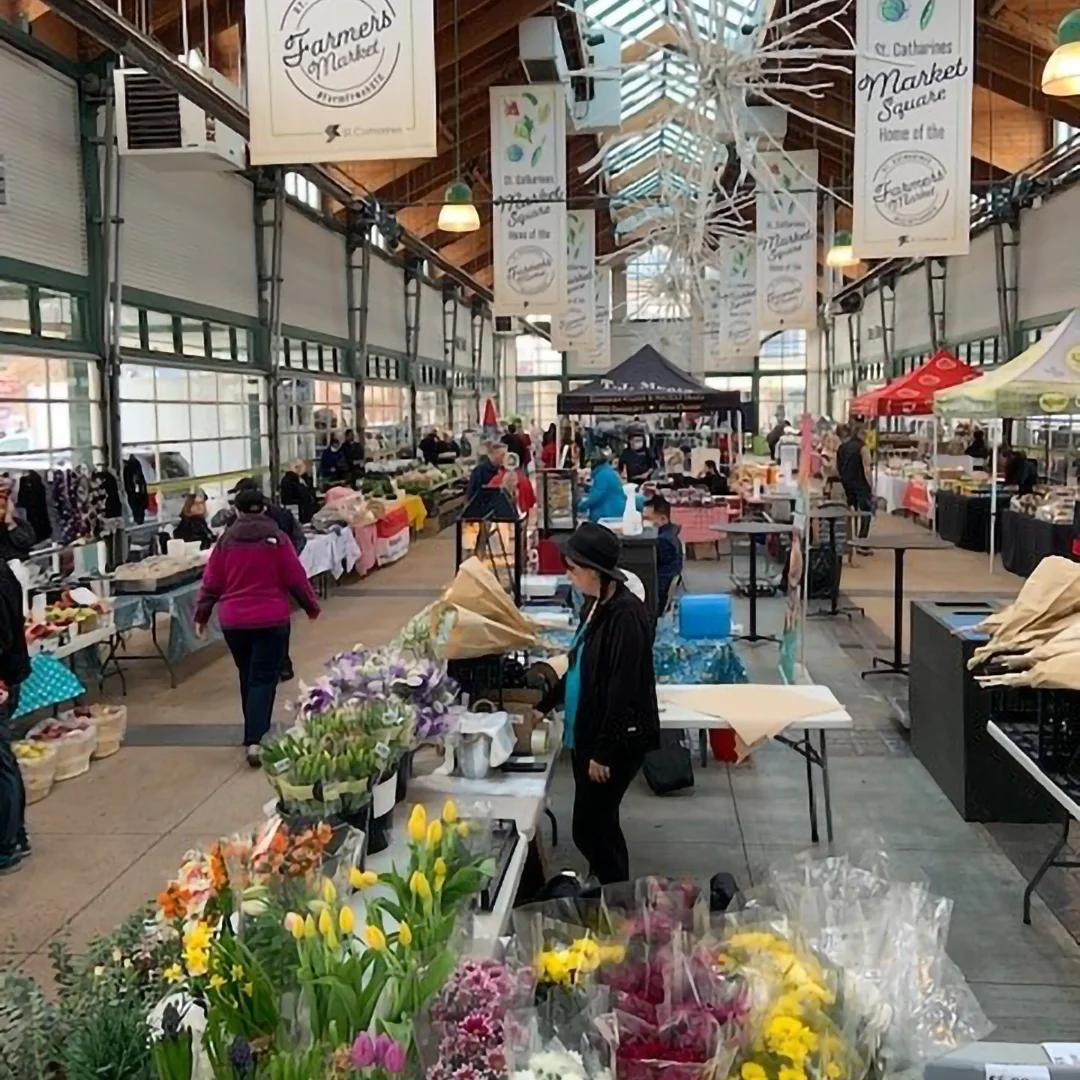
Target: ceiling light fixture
1061,76
458,215
841,255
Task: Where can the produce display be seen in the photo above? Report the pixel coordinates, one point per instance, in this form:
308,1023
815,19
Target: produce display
75,740
110,721
63,615
421,481
1055,505
37,763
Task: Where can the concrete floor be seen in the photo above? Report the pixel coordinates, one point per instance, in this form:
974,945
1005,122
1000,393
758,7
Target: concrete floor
108,840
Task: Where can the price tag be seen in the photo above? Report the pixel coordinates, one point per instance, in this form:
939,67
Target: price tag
1063,1053
1017,1072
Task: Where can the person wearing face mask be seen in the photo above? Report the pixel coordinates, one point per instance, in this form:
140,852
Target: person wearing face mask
609,698
637,459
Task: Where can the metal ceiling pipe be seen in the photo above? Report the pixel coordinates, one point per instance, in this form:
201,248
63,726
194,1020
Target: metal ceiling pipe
116,33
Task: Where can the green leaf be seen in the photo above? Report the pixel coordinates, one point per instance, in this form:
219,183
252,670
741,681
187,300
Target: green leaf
927,14
531,98
545,112
536,155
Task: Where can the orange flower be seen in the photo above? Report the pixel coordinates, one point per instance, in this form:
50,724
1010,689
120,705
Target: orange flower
219,876
173,901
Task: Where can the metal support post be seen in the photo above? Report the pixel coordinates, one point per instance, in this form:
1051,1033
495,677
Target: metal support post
1007,268
887,301
449,329
357,291
854,345
936,274
477,324
269,253
412,338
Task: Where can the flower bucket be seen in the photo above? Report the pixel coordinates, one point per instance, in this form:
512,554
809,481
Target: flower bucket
404,774
383,801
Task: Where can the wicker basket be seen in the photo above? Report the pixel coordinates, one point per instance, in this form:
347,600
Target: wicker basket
39,774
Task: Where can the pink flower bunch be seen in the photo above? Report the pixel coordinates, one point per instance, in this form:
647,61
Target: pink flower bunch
382,1052
680,1049
469,1015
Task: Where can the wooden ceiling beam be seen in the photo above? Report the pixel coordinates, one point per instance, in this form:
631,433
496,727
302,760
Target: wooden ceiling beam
468,247
491,22
1022,26
464,11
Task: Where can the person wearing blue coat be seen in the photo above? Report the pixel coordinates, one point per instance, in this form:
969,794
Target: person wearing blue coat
605,498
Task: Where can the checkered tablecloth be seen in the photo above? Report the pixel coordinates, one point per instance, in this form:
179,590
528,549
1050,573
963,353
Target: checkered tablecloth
696,522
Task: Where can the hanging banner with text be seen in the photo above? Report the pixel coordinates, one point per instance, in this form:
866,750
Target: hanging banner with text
576,327
528,181
329,81
598,358
913,89
739,337
787,250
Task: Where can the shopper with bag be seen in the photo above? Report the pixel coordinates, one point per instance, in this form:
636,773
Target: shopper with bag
14,670
609,697
250,577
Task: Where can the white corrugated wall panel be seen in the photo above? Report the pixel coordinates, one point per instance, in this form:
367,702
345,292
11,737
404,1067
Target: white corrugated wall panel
871,337
912,323
386,306
430,345
487,357
842,341
190,236
44,219
971,308
1050,257
314,295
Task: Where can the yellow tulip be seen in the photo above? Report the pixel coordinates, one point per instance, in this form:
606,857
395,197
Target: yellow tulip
346,920
434,833
440,867
374,937
328,890
248,988
326,924
449,811
332,942
295,924
463,829
417,824
309,928
362,879
419,886
405,934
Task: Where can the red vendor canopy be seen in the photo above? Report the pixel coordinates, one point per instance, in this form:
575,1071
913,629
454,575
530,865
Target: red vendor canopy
866,405
913,394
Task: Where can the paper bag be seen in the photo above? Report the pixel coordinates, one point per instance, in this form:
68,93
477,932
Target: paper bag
461,634
476,588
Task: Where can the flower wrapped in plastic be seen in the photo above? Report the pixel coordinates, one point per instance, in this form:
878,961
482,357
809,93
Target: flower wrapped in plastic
888,937
576,1051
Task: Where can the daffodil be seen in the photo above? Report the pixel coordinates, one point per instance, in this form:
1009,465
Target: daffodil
362,879
309,928
216,982
833,1071
328,891
173,973
449,811
405,934
198,936
326,924
751,1070
374,938
237,972
434,833
346,920
418,824
248,989
197,961
787,1073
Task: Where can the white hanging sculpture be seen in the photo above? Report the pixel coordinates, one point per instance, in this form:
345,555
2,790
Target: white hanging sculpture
691,212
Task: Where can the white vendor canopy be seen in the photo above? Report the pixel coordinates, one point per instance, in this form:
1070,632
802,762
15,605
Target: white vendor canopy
1043,380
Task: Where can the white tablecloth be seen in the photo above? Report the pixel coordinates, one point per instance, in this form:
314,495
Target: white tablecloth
890,489
332,553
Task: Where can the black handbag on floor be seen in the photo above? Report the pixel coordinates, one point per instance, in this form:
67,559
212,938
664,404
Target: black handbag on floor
669,768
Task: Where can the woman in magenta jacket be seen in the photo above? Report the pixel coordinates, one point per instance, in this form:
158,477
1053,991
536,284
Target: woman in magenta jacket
252,573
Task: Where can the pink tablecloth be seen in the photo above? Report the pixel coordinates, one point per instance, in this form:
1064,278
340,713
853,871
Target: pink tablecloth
365,537
696,522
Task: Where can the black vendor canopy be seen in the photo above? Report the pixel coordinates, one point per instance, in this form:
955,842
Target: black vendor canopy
646,383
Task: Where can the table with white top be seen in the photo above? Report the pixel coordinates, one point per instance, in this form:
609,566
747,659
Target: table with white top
675,716
1069,803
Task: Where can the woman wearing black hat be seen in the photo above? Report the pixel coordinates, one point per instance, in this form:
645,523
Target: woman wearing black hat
609,698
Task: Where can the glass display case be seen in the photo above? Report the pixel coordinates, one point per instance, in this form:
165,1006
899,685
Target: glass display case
558,494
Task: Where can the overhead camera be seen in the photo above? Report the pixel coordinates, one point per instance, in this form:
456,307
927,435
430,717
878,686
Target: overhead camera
594,38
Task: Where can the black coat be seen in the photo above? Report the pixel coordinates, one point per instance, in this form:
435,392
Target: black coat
298,491
192,528
14,658
617,715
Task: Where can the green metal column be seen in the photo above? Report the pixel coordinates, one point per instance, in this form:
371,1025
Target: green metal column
269,214
358,263
412,336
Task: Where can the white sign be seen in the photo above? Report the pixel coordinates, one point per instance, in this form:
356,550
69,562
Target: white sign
1062,1053
528,181
787,241
576,328
340,80
598,358
739,338
1017,1072
913,87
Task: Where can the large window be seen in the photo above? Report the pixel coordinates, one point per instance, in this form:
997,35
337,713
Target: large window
535,356
195,339
303,190
386,419
193,428
743,383
50,413
432,409
656,286
776,391
34,310
538,402
785,351
310,411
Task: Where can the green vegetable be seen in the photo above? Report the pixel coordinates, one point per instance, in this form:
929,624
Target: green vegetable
927,14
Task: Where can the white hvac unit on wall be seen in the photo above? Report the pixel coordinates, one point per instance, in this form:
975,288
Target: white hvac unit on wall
165,130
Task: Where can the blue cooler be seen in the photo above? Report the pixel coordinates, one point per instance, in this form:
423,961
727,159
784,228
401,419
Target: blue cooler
705,616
